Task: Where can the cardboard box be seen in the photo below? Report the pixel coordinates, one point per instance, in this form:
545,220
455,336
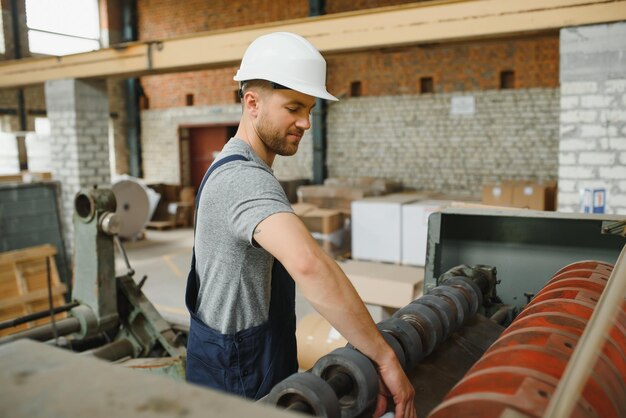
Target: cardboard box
415,229
529,195
331,197
377,227
376,186
499,194
302,208
324,221
533,195
291,186
382,284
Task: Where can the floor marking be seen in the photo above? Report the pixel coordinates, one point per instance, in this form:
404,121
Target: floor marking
172,266
172,309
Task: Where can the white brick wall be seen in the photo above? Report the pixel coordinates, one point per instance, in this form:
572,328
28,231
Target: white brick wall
79,125
593,115
160,141
415,139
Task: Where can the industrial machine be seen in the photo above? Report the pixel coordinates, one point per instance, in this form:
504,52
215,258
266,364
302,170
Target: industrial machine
479,345
507,299
109,317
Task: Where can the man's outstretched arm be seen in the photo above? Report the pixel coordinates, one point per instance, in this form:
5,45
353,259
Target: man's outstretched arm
327,288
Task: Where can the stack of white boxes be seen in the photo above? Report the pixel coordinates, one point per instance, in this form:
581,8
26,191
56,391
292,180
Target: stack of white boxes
392,228
415,229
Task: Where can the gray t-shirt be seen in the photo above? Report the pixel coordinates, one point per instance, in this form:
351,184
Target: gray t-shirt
235,274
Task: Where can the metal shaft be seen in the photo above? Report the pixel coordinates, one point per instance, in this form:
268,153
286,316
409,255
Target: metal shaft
45,332
113,351
37,315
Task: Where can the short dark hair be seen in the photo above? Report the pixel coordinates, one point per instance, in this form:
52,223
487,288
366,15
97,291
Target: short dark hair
260,84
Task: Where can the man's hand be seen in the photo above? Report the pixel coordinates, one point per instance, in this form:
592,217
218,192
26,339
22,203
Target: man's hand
394,383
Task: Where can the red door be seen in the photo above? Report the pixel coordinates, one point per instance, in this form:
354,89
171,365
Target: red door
204,144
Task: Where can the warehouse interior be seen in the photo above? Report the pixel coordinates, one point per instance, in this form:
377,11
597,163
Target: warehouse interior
470,182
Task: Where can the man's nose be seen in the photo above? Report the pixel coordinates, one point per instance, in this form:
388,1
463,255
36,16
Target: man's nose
304,122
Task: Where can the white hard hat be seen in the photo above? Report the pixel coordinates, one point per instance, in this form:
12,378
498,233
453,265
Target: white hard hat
286,59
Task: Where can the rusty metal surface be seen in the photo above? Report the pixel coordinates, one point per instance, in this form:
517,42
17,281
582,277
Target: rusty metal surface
439,372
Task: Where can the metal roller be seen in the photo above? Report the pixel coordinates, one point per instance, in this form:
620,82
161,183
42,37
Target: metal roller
408,337
362,391
455,298
586,273
426,322
595,265
522,369
470,290
445,310
307,393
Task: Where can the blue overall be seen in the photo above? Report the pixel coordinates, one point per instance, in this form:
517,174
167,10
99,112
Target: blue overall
249,362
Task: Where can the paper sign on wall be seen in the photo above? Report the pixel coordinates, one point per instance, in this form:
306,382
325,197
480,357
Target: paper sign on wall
463,105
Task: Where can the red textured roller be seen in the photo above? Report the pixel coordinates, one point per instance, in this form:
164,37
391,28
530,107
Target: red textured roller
521,370
586,273
587,264
593,285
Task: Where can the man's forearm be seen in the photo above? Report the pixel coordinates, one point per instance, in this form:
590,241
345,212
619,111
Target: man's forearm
332,294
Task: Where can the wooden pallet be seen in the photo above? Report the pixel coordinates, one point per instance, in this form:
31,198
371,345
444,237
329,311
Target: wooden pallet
161,225
24,285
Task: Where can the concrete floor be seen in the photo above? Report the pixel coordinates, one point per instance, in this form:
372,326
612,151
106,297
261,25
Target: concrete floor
164,257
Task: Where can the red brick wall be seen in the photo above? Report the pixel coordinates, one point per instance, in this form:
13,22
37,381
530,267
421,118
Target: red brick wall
338,6
208,88
454,67
466,66
159,19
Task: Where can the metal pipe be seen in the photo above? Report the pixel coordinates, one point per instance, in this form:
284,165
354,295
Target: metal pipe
586,352
45,332
36,315
114,351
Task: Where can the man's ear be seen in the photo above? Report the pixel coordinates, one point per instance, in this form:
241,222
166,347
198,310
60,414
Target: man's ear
251,101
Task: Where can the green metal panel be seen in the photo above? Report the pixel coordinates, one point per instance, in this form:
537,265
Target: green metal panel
526,247
30,216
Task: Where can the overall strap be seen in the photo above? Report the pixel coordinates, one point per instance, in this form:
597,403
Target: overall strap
193,281
215,166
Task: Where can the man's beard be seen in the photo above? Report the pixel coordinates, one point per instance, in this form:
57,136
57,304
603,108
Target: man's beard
274,139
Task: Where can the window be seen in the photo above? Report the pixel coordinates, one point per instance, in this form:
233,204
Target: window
189,99
2,50
355,89
507,79
52,32
427,85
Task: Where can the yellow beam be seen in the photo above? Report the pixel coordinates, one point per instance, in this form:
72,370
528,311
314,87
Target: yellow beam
376,28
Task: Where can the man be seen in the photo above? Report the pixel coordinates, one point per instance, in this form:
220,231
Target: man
241,298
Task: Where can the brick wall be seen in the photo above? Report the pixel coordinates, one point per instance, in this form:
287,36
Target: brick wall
471,66
207,87
160,19
338,6
416,139
592,150
468,66
78,113
160,136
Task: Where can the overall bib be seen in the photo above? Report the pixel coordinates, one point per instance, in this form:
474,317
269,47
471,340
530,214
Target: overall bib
249,362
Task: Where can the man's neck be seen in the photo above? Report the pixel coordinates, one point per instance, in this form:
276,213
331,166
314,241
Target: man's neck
246,133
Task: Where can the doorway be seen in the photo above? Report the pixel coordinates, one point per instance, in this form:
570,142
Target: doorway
199,147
